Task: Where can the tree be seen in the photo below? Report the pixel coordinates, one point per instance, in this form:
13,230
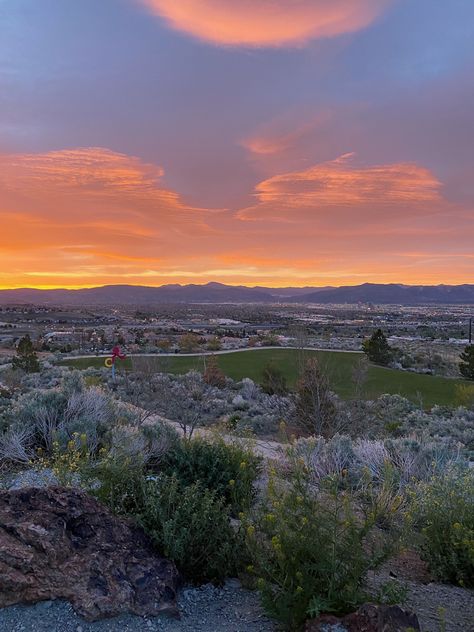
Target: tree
214,344
360,372
315,408
377,348
213,374
26,358
466,366
273,380
189,342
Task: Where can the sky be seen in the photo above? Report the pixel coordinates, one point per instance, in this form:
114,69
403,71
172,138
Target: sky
257,142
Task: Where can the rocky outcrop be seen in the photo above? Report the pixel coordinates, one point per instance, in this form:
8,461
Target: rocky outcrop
59,543
369,618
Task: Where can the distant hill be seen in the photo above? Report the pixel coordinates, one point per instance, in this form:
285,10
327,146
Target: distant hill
220,293
392,294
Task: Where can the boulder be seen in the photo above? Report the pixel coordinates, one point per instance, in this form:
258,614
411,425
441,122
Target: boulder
60,543
368,618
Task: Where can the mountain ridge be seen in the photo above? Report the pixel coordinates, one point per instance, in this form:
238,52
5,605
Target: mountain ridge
213,292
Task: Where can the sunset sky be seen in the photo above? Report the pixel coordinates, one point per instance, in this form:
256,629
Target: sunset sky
275,142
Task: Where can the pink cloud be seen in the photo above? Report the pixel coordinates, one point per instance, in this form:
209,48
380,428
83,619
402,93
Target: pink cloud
266,23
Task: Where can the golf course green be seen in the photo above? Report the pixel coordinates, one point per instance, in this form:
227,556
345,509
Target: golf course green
424,389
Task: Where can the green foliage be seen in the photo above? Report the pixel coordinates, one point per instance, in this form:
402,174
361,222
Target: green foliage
117,482
214,344
377,348
466,366
26,358
68,463
392,593
227,469
273,380
443,511
191,526
189,342
310,552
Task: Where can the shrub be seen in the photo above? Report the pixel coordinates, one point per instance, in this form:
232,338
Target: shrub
213,374
315,408
443,511
227,469
191,526
66,464
273,380
117,482
148,443
404,459
56,414
310,553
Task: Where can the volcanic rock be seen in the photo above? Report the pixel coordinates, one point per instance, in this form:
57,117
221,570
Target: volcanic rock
60,543
368,618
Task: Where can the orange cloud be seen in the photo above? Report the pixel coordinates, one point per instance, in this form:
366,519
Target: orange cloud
318,193
91,216
70,211
267,23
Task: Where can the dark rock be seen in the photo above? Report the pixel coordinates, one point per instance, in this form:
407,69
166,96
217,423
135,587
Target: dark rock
60,543
369,618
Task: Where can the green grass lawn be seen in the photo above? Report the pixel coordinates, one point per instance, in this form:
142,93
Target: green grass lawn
427,389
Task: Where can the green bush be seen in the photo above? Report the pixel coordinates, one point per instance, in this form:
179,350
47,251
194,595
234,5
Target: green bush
310,552
191,526
228,470
443,511
117,482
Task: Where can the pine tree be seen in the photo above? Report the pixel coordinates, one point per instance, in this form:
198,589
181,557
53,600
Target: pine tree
26,358
466,366
377,348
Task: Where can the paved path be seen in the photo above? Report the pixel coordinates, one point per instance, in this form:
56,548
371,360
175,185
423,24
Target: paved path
206,353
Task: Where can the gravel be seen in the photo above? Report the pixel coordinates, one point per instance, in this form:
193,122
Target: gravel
203,609
439,607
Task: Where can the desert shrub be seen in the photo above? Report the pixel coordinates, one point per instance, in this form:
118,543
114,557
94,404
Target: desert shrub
273,380
15,447
117,482
149,442
403,459
68,463
227,469
310,552
55,415
191,526
443,511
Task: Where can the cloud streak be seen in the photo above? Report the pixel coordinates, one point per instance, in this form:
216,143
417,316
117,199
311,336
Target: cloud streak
338,185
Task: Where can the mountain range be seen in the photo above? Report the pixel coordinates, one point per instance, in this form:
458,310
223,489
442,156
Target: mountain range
382,294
